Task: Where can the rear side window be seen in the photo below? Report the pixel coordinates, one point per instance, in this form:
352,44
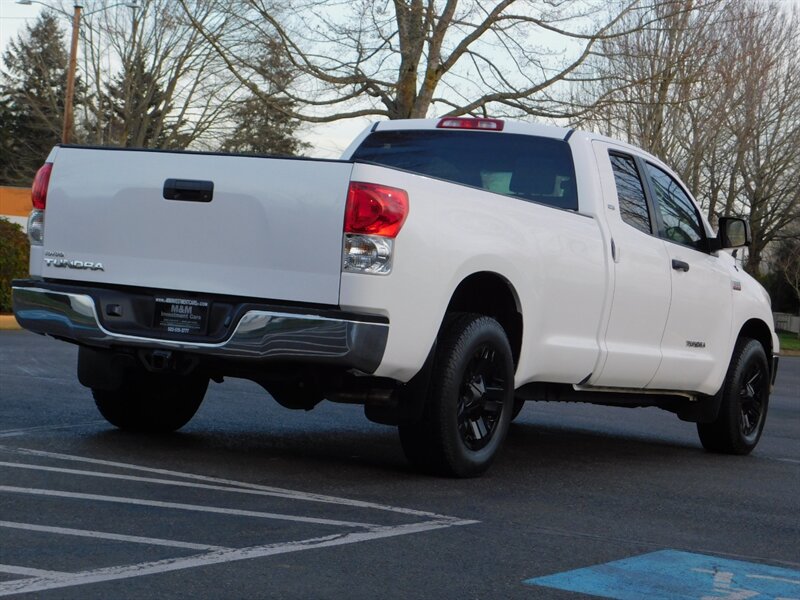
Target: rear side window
630,191
521,166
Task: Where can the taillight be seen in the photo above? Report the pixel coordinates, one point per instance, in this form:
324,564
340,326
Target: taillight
471,123
39,201
375,209
40,184
372,219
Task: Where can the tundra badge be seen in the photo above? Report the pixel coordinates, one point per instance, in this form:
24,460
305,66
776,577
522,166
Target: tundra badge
63,263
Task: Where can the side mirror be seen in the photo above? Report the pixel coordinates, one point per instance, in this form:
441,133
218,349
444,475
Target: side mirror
733,233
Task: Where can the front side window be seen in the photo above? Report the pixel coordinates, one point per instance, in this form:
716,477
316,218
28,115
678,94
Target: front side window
532,168
681,222
630,191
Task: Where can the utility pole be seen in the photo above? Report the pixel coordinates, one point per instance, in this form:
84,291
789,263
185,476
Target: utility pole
66,133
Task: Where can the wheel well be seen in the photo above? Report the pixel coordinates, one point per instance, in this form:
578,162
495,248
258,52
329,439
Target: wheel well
759,331
491,295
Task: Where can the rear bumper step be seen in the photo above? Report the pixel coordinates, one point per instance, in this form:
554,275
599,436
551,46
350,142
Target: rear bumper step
258,334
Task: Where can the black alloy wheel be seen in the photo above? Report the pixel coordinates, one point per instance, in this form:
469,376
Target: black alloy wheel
469,400
752,394
481,400
744,400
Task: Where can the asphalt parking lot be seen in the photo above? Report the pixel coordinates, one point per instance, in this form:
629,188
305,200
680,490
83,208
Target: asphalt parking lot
251,500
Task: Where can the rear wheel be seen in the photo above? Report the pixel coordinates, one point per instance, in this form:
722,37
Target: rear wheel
469,402
152,402
745,399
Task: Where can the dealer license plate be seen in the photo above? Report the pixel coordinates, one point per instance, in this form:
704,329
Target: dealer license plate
182,315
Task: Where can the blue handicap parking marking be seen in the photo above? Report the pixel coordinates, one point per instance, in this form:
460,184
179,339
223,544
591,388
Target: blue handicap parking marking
675,575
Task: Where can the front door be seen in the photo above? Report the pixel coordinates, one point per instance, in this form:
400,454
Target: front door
699,326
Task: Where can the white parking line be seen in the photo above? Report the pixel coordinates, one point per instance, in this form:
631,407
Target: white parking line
171,482
25,430
39,584
38,580
15,570
136,539
278,492
180,506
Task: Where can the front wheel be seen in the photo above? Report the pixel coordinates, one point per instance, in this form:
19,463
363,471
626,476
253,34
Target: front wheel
152,402
745,399
469,403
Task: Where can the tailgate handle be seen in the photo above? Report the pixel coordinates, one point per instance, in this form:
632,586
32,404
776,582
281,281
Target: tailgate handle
189,190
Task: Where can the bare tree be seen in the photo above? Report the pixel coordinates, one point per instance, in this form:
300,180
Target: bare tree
713,89
660,87
765,122
153,79
401,58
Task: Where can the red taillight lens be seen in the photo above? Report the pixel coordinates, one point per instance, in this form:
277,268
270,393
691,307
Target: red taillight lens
40,184
471,123
375,209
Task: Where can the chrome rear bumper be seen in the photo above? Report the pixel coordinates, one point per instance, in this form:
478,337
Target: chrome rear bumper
264,335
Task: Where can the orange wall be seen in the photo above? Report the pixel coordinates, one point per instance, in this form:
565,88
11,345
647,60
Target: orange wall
15,201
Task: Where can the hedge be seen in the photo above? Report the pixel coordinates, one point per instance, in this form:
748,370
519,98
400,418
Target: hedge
14,252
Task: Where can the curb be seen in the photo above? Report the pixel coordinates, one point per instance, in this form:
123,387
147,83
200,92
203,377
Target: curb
8,322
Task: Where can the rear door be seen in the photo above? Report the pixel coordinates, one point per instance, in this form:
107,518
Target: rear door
642,286
270,229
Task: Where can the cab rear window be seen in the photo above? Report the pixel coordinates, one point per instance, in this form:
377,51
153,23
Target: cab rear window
531,168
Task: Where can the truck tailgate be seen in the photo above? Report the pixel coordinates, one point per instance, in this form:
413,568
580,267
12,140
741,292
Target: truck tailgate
273,228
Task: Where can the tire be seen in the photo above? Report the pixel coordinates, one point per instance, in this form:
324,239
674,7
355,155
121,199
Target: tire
152,403
744,402
469,400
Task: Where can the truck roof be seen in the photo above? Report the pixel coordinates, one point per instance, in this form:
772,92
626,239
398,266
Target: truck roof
509,126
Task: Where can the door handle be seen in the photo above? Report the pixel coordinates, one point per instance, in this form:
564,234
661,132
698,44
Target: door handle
189,190
680,265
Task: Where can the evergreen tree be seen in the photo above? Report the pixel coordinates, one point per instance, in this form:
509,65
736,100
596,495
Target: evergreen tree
263,127
8,136
263,122
136,110
32,87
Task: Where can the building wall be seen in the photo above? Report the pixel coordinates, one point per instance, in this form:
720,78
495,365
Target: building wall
15,204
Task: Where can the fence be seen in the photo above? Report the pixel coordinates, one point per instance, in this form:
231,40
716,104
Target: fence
787,322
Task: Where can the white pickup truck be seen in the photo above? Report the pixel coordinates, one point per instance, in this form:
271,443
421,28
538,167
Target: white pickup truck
441,273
